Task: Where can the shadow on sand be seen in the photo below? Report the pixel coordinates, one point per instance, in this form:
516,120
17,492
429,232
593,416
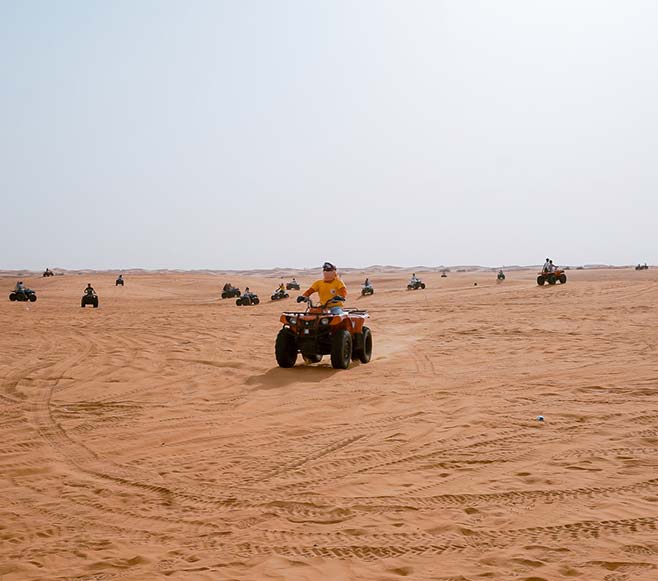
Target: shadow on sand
279,377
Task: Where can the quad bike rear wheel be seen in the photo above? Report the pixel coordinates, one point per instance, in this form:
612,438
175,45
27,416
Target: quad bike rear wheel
12,297
285,349
255,301
341,349
540,280
563,278
363,347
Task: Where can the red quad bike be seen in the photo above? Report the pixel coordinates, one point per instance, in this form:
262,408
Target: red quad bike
317,332
557,275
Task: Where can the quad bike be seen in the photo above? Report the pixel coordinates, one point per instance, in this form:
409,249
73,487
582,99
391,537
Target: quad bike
642,267
501,275
292,285
48,272
367,290
89,298
25,295
279,294
317,332
552,277
118,281
248,299
230,292
444,274
415,285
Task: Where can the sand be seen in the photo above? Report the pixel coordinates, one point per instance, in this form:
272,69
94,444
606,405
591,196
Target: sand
155,437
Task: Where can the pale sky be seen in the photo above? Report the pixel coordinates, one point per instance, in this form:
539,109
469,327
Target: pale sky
254,134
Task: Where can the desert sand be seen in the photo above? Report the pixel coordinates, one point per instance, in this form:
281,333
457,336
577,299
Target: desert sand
155,437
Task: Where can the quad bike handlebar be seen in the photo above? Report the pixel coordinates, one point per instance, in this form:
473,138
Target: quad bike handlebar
303,299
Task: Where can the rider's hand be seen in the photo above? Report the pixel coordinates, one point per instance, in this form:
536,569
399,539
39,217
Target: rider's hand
301,299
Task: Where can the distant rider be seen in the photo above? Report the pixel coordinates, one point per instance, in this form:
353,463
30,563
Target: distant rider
328,287
90,289
366,283
20,287
547,265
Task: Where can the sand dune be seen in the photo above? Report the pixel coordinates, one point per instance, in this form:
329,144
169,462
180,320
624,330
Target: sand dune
155,438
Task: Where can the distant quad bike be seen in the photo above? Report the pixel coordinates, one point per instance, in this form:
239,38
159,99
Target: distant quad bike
552,277
230,292
292,285
279,294
444,275
247,299
367,290
89,299
48,272
316,332
118,281
25,295
415,285
642,267
501,275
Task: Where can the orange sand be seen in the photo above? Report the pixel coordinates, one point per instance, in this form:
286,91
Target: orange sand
155,438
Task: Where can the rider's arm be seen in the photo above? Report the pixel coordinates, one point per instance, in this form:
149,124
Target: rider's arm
312,289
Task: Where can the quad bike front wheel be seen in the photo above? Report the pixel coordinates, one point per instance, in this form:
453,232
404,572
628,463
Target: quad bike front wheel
363,347
255,301
33,298
285,349
238,302
12,297
540,280
563,278
341,349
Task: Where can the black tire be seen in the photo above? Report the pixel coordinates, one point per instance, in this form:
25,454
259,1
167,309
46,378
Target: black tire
552,279
364,351
422,285
409,287
540,280
33,298
224,295
94,302
12,297
238,302
285,349
315,358
341,349
563,278
286,296
255,301
82,303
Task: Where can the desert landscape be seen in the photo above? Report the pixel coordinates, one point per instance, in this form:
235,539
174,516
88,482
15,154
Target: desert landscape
156,438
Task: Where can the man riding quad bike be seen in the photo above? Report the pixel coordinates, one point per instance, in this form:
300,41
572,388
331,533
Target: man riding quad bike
247,298
367,288
229,291
415,283
119,280
293,285
317,332
89,298
22,293
280,293
501,275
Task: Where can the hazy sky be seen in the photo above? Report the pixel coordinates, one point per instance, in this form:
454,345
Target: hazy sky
245,134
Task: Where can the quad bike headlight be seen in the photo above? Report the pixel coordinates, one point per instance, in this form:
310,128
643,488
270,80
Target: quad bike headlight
292,320
324,321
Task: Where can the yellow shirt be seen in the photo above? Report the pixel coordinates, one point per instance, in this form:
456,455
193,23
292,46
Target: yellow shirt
327,290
